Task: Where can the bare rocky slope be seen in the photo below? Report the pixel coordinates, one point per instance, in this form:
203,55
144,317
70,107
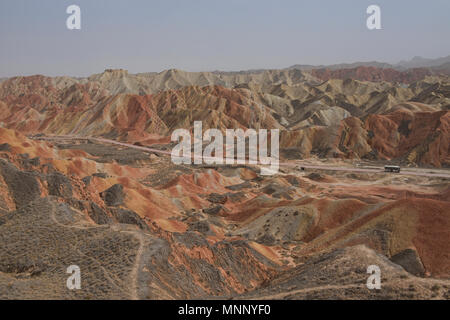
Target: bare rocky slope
141,227
335,118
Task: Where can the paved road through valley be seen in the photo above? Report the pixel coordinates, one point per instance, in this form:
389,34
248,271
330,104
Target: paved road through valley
435,173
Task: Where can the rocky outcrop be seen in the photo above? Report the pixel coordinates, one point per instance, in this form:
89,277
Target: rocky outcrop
113,196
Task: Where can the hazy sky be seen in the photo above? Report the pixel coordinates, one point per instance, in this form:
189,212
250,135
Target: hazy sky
204,35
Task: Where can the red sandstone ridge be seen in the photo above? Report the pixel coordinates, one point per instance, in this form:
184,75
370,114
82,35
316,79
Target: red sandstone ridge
218,231
80,185
337,118
373,74
421,137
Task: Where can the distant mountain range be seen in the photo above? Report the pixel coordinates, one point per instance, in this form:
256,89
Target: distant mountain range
375,64
438,65
419,62
416,62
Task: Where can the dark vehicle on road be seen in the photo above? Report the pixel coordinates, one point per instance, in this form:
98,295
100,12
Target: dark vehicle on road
391,169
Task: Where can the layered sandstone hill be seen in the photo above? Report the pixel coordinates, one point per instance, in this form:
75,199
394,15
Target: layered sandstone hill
140,227
336,118
119,81
59,208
